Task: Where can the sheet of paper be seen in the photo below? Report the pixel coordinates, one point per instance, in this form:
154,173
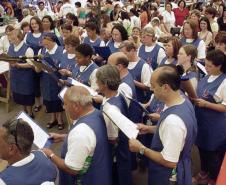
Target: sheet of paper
4,67
41,138
62,93
123,123
77,83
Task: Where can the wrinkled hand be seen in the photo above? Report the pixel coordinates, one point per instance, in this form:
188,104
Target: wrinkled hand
154,116
200,102
135,145
56,137
143,129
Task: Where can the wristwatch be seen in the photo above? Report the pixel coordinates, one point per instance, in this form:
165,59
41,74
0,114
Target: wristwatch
142,149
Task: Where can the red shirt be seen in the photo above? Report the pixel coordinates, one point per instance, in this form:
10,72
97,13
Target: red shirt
180,16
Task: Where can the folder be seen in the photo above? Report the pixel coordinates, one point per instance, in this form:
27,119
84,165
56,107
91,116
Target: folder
41,138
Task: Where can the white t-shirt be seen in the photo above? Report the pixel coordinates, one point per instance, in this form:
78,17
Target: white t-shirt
172,132
145,72
81,144
23,162
42,13
65,9
135,21
201,48
4,44
220,95
169,19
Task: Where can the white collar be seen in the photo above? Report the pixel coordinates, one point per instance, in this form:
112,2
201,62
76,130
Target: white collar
17,48
24,161
53,50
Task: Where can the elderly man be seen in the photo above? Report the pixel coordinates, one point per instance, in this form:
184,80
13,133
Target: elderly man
85,155
175,134
25,167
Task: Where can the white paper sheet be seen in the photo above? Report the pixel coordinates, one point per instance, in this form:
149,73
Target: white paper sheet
40,136
123,123
62,93
77,83
4,67
203,69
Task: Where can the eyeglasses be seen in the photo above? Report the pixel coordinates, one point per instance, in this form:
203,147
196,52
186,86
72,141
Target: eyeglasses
13,130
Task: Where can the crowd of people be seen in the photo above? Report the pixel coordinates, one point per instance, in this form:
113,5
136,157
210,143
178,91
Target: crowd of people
160,64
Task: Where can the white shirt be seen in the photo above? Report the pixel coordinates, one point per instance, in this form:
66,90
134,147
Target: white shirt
65,9
81,144
220,94
135,21
4,44
201,48
145,72
25,19
161,53
42,13
112,129
172,132
169,19
23,162
92,78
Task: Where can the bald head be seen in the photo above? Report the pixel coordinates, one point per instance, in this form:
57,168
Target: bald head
78,94
118,58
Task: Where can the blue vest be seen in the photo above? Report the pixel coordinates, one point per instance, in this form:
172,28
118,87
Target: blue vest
66,63
39,170
49,85
83,76
22,80
123,155
142,96
92,44
150,57
211,123
99,171
158,174
34,42
164,61
112,47
194,43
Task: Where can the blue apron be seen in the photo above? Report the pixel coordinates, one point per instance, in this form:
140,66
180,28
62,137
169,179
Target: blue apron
211,123
194,42
22,80
158,174
34,42
49,86
99,171
38,171
164,61
150,57
142,96
113,49
92,44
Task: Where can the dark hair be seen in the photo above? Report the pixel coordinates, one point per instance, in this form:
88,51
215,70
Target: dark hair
122,30
41,2
123,61
39,22
211,11
221,37
124,15
168,4
20,133
207,22
183,2
176,45
109,75
73,18
171,75
85,50
78,4
92,26
134,12
217,58
66,27
52,24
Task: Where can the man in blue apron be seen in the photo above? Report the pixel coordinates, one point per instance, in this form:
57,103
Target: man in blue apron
175,132
84,157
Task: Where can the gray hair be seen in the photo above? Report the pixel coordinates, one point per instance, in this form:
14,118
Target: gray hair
79,94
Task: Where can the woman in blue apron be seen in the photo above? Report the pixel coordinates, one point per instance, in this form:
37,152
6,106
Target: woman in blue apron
33,40
190,36
186,58
172,48
211,116
66,30
119,34
49,81
21,73
67,61
150,51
